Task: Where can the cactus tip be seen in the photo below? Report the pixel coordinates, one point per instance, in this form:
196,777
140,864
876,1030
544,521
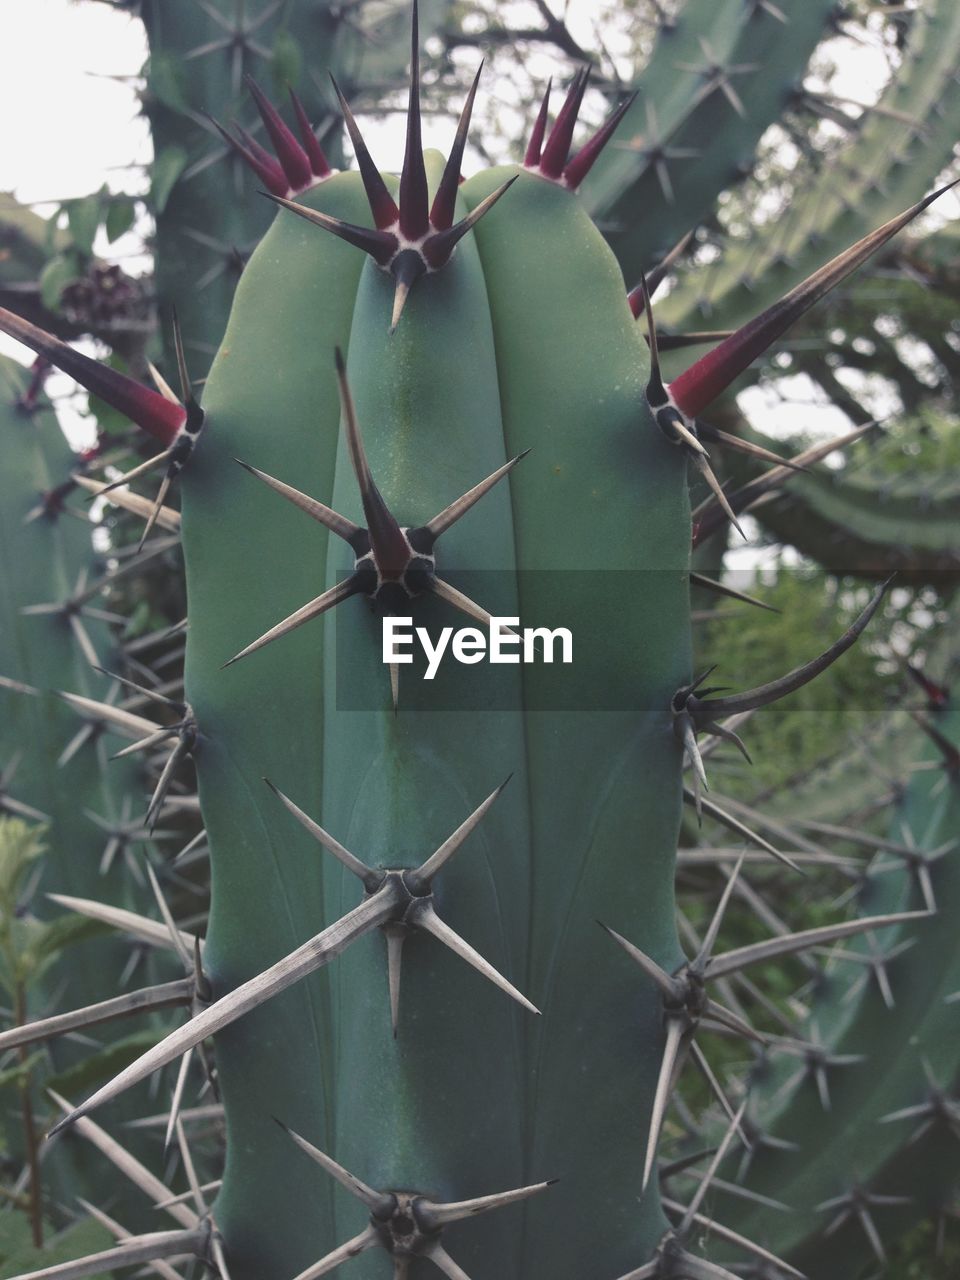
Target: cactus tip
291,155
266,168
319,164
556,150
577,168
535,146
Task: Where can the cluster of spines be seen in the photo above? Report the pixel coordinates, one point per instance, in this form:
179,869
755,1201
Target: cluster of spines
298,163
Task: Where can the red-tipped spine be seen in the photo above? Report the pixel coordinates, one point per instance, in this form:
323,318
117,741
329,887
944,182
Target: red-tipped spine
39,371
555,153
710,376
391,551
319,164
438,247
535,145
937,695
294,161
382,204
414,197
948,750
445,201
146,408
381,245
258,151
581,164
263,165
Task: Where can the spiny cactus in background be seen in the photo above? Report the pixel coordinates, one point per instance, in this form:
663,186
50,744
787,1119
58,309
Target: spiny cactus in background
883,1001
491,319
55,638
719,73
55,635
878,172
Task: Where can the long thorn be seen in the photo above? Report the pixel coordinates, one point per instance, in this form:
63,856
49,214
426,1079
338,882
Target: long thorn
444,202
128,1165
143,928
382,204
293,158
367,1239
443,1262
313,609
721,588
438,248
657,274
451,514
395,940
740,445
176,1102
380,245
670,987
306,959
466,606
375,1201
425,917
577,168
330,519
705,380
133,474
754,953
390,549
710,937
176,937
148,409
157,1267
419,880
369,878
707,1180
164,996
458,1210
557,148
672,1045
146,1248
765,694
535,146
705,469
707,517
414,198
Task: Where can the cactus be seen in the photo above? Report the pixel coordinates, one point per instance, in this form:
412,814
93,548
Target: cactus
53,633
882,169
56,772
695,133
892,1167
200,55
385,384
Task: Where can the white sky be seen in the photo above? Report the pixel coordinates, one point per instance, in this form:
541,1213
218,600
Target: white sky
67,125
